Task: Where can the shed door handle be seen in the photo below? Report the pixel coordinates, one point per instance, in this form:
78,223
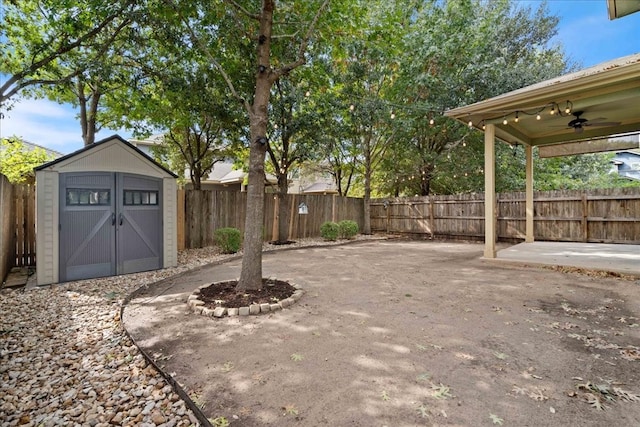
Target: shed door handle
121,219
113,218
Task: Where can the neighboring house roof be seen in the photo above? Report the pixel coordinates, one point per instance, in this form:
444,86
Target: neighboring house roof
626,164
50,153
224,173
320,187
152,140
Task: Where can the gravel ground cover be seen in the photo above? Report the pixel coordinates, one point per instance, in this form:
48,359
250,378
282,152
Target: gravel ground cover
65,358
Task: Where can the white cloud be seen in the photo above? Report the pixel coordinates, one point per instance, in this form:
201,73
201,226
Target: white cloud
44,123
47,123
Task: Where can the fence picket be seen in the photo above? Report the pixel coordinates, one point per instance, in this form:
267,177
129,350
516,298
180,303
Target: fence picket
604,216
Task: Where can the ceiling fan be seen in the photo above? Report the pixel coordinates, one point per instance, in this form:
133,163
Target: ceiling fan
579,123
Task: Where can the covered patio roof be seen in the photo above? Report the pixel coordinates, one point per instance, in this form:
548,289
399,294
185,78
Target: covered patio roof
593,103
608,95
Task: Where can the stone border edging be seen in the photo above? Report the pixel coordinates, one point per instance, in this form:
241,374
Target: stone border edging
197,305
197,412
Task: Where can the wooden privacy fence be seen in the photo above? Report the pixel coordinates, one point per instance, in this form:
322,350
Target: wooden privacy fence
604,216
17,226
7,227
25,225
204,211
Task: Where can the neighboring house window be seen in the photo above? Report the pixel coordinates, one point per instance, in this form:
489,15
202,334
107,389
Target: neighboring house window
83,196
139,197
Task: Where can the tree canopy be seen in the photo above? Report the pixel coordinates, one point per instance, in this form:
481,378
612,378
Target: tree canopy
357,87
18,161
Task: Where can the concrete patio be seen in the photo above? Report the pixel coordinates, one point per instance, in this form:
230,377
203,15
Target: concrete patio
624,259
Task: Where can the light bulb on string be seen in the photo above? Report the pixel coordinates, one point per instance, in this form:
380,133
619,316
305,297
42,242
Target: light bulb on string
470,124
432,122
568,107
538,117
553,110
504,122
352,107
393,115
517,119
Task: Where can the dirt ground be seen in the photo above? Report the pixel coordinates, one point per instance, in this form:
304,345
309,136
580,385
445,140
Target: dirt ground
405,333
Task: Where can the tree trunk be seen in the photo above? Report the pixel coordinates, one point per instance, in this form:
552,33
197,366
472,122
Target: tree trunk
283,209
88,113
366,229
251,272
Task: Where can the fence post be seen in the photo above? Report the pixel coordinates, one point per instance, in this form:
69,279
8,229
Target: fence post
180,218
333,208
275,227
432,224
292,216
585,218
388,216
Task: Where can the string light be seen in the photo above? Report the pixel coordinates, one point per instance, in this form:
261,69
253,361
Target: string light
470,124
432,122
569,106
393,115
552,108
352,107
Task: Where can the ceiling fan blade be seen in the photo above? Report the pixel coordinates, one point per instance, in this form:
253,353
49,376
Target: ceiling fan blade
589,123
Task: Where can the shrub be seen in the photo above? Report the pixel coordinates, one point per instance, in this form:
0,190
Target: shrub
330,230
348,229
228,239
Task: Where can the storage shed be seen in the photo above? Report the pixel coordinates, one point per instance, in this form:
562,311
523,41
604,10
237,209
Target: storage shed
104,210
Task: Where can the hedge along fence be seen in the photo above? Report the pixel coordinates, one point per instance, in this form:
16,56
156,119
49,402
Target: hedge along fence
603,216
204,211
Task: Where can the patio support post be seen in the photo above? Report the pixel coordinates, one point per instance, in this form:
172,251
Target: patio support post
529,194
490,191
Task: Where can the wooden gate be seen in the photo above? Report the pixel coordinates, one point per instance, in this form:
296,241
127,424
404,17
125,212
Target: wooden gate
25,225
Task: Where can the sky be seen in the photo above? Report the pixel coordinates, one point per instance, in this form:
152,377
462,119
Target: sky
585,32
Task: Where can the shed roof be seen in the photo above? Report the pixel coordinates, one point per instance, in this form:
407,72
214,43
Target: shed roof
106,143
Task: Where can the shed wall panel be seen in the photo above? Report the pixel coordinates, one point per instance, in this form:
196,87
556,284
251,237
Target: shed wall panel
47,238
169,215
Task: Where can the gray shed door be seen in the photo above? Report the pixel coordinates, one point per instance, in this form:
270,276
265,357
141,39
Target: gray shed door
110,223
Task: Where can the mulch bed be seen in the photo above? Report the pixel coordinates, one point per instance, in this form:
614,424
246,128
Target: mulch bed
224,294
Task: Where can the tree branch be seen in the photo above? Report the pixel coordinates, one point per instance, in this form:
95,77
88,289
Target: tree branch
285,69
243,10
61,50
203,48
